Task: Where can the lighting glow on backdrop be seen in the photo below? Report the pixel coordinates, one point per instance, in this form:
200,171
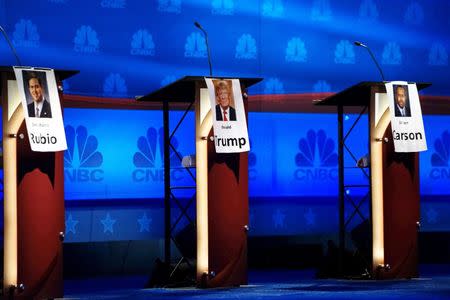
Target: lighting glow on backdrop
296,156
292,172
125,48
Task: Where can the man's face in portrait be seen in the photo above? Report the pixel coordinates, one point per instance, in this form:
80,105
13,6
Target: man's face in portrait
35,89
223,98
401,97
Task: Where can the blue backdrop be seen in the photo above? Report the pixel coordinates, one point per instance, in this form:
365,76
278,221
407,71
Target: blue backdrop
108,159
292,172
127,48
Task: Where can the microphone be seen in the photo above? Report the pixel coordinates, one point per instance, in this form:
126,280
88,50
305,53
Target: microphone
13,50
197,24
360,44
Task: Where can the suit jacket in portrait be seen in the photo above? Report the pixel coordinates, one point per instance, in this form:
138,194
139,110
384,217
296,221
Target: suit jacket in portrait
231,117
399,114
45,113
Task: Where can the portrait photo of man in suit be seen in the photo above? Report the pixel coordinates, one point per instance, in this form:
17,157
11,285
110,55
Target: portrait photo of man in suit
38,105
224,109
402,108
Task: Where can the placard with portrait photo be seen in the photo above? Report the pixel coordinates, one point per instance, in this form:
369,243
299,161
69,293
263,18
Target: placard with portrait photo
229,121
406,117
42,109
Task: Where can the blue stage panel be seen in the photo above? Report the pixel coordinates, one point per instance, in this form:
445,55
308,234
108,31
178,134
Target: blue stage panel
306,155
118,154
435,163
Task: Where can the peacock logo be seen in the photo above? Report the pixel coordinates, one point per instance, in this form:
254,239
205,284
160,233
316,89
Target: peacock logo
115,86
296,51
440,159
344,53
142,43
149,159
392,54
368,10
272,8
26,34
195,46
273,86
170,6
86,40
82,160
317,158
222,7
414,14
321,86
113,3
246,47
321,10
438,55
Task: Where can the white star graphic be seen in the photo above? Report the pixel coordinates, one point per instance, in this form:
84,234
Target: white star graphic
432,215
310,217
108,224
278,219
144,222
70,225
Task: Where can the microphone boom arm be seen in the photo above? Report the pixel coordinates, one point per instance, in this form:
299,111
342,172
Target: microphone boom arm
10,45
376,63
359,44
207,46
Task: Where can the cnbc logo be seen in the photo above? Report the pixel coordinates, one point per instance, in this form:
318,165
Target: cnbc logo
26,34
113,3
440,160
149,160
316,159
246,47
86,40
142,43
82,161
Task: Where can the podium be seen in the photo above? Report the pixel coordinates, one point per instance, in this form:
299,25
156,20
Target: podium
393,186
221,189
33,204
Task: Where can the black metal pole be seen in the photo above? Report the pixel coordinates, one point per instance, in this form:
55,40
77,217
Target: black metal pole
167,220
341,190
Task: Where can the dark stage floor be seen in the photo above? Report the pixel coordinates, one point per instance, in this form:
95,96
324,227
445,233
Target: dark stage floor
434,283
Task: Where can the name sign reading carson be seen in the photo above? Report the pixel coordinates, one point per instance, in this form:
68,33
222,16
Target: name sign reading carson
229,122
41,108
406,117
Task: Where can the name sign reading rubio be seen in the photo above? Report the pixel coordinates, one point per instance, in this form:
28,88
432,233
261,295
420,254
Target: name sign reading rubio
229,122
42,109
406,117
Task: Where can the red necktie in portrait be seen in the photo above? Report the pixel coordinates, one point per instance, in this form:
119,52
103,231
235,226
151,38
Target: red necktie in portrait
225,115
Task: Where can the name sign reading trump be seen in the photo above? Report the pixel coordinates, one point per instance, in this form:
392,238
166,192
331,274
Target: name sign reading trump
42,110
406,117
229,122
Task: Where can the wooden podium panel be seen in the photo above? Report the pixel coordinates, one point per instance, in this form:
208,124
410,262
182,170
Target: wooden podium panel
394,186
33,204
401,210
40,220
221,189
227,217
